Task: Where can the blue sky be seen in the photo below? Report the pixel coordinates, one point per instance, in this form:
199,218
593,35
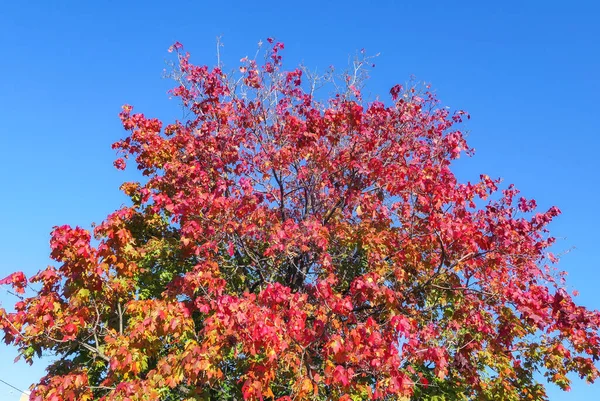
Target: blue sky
527,71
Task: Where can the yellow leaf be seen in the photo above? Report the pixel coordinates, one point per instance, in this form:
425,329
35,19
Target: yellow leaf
307,386
269,393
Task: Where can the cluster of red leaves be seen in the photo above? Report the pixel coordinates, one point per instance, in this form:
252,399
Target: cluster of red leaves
281,247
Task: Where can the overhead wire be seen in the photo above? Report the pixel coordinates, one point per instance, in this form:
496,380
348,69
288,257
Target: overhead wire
10,385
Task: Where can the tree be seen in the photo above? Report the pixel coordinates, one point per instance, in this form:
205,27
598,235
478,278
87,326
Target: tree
286,248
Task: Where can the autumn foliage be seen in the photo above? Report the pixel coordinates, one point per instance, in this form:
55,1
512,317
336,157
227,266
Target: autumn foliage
284,246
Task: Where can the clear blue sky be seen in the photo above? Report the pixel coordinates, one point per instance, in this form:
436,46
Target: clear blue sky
527,71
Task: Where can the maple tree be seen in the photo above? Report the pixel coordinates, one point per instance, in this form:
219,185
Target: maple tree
282,247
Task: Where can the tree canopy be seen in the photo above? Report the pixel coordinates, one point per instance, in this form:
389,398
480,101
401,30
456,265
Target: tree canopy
283,246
